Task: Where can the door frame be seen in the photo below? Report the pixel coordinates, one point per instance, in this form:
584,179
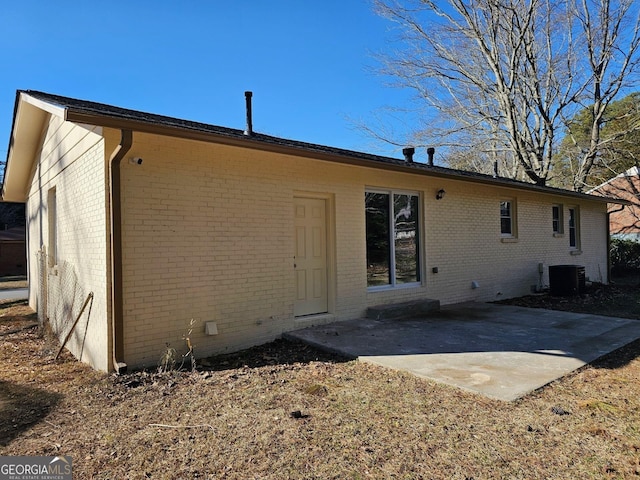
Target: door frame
331,250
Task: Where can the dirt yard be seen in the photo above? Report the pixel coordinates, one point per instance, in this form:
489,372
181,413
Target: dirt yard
288,411
619,299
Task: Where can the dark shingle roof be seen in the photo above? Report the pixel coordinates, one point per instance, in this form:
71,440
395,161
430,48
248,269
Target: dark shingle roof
97,110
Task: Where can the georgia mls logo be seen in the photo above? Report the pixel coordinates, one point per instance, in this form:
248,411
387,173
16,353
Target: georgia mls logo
59,466
35,468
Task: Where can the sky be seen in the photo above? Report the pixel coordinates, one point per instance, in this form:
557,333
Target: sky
310,64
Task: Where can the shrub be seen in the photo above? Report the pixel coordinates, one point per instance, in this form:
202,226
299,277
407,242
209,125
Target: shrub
625,255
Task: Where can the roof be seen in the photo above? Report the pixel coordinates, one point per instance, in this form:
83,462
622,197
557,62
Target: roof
99,114
632,172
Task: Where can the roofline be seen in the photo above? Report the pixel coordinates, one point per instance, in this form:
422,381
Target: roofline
28,113
9,145
174,127
347,157
631,172
43,105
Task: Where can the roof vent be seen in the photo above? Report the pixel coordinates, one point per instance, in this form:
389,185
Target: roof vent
408,154
249,130
430,152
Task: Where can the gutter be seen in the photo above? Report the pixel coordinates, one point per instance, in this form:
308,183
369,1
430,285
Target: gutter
316,152
115,211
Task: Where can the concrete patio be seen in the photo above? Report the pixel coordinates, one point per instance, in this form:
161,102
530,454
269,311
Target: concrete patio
500,351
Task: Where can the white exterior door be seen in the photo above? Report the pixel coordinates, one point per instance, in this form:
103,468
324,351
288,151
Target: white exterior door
310,261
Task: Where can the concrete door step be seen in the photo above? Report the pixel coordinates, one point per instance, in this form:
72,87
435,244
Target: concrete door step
412,309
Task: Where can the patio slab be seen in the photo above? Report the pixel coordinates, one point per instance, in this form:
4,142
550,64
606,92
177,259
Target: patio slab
500,351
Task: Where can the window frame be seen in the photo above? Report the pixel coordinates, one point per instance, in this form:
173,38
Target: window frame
512,217
393,281
557,223
574,236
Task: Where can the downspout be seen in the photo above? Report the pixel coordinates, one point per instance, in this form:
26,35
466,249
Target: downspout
117,308
609,241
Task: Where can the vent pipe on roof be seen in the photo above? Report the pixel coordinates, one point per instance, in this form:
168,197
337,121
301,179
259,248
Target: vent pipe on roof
408,154
249,129
430,152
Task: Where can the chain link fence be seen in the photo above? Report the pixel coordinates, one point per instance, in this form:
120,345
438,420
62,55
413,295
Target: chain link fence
60,296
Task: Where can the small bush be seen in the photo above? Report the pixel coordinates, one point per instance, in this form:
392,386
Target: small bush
625,255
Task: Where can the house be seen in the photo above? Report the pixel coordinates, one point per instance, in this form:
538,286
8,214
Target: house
624,223
13,259
164,228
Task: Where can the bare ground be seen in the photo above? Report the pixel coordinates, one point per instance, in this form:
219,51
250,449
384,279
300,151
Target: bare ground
288,411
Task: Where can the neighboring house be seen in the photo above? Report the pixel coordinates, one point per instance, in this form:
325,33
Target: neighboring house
166,220
13,256
624,223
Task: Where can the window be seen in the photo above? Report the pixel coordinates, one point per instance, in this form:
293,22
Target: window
507,218
574,228
393,240
52,227
557,221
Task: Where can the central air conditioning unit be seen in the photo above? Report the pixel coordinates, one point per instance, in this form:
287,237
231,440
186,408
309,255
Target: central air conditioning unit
566,280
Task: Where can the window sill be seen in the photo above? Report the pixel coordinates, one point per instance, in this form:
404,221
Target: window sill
509,240
387,288
558,235
575,252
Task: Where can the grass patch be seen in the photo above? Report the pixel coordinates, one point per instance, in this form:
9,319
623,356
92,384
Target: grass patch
598,405
284,410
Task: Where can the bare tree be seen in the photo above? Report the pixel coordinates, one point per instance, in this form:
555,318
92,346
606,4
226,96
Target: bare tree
505,75
618,148
491,161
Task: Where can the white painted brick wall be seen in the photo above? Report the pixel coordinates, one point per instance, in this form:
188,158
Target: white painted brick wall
208,234
72,159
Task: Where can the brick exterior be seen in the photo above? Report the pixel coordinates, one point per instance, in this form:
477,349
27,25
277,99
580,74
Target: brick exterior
72,160
208,235
624,222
